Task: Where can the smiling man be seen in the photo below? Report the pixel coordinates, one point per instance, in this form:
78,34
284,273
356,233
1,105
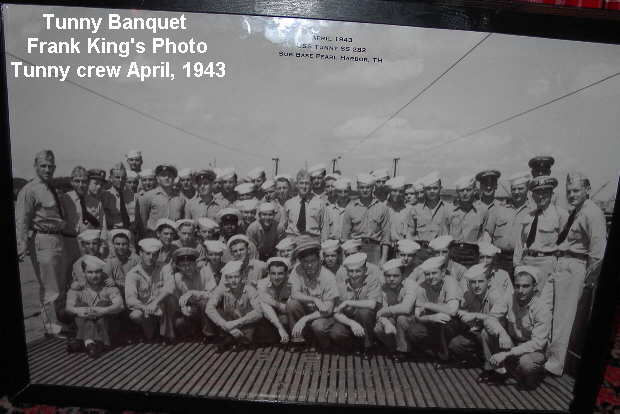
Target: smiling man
252,270
274,292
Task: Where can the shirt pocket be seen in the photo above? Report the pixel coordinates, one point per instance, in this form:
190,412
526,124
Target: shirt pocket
547,231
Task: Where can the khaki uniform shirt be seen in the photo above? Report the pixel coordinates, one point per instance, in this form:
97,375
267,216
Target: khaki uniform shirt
196,208
111,201
140,287
550,223
372,222
243,306
315,215
425,221
155,205
324,287
504,225
464,226
74,223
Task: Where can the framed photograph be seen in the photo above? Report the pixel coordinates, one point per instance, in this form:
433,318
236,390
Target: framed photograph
350,87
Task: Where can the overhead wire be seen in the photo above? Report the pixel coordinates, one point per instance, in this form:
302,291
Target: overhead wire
151,116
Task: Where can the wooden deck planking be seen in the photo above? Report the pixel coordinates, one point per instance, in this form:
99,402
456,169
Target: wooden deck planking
272,373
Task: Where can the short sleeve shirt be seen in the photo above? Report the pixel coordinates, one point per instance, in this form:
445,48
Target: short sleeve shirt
323,288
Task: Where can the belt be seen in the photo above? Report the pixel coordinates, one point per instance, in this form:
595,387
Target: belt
571,255
366,240
71,236
538,254
47,232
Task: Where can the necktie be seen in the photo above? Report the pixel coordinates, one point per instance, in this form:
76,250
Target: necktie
532,234
86,216
566,228
301,221
124,214
56,200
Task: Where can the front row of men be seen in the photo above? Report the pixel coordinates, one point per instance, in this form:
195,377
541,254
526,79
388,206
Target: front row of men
469,322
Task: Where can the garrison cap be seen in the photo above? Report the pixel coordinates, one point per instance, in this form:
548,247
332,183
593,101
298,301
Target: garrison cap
433,263
46,155
215,246
226,173
392,264
342,184
488,174
238,237
133,175
205,173
286,242
441,242
465,182
355,261
150,245
575,177
302,174
232,267
281,260
350,244
530,270
407,246
488,249
134,154
79,172
96,174
317,170
381,173
247,205
265,207
520,177
256,173
147,172
366,179
120,232
306,249
395,183
430,179
185,172
475,271
183,222
165,222
330,246
244,188
541,162
268,184
166,167
90,235
185,253
225,212
543,181
118,167
93,262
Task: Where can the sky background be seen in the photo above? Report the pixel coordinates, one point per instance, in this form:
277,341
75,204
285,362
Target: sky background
311,111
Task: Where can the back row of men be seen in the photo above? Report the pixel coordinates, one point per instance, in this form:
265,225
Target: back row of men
564,250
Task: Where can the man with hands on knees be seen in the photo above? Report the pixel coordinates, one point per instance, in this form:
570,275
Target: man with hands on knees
274,292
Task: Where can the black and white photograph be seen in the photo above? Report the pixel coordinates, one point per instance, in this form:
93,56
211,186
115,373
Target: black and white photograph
308,211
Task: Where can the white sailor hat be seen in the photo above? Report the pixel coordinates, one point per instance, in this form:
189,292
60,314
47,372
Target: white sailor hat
475,271
417,185
132,174
238,237
268,184
282,260
247,205
395,183
488,249
120,232
316,170
265,207
256,173
286,242
407,246
217,172
215,246
355,261
226,173
330,246
392,264
441,242
147,172
342,184
366,179
133,154
333,176
93,262
165,222
231,267
185,172
207,224
176,180
433,263
228,212
244,188
350,244
530,270
182,222
465,182
520,177
286,177
150,245
90,235
430,179
381,174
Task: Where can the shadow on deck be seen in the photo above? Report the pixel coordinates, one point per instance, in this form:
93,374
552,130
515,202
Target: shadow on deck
273,374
